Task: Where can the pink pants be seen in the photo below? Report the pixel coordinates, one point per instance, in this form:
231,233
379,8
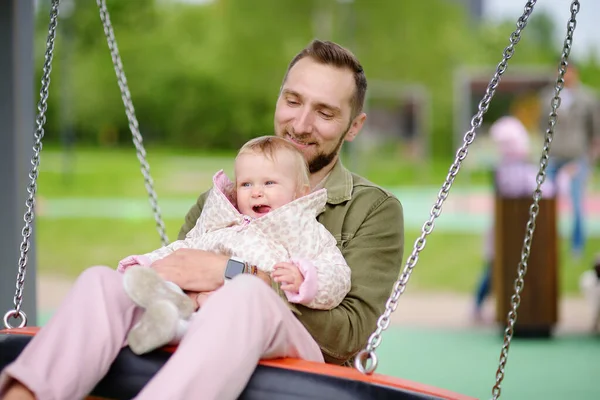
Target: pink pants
238,325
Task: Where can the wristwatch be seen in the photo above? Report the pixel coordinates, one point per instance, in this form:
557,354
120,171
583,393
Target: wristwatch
235,266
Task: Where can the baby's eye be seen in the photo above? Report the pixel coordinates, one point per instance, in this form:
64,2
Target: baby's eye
270,182
245,184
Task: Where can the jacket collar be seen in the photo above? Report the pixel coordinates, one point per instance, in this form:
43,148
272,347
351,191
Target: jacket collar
338,184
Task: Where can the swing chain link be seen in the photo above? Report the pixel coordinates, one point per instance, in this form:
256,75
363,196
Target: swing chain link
537,194
17,312
133,122
366,360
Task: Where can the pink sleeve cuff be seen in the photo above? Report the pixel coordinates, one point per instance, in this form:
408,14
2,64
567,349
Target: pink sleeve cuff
308,289
130,261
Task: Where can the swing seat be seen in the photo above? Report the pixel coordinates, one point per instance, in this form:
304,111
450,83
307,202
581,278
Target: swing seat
285,379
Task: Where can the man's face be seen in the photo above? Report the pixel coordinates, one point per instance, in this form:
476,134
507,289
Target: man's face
314,111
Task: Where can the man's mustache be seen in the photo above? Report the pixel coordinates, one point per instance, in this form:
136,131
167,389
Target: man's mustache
302,137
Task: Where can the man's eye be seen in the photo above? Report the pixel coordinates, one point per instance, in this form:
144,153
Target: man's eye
325,115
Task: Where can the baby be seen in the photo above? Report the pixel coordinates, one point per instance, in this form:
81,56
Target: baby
264,220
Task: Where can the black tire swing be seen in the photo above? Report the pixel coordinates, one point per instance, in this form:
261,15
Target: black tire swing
287,379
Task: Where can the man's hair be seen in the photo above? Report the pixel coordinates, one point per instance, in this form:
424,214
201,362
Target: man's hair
271,147
329,53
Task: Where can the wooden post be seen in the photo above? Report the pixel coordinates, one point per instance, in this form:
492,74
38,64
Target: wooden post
538,310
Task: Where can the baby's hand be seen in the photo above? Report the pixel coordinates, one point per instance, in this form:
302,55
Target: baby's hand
288,275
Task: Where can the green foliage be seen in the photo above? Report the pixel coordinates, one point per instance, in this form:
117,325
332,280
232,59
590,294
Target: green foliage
207,76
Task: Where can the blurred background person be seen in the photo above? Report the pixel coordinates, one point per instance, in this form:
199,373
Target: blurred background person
575,146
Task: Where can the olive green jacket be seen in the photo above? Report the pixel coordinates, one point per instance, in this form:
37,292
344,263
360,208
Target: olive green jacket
368,224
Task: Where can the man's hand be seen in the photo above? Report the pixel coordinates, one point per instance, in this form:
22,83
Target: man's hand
194,270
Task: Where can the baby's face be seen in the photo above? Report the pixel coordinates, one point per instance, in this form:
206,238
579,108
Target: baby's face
263,185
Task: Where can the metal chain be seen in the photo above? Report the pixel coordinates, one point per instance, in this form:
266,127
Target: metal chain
537,194
133,123
40,120
368,354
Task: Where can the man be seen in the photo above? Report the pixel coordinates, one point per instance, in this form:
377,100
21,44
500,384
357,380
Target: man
318,108
575,145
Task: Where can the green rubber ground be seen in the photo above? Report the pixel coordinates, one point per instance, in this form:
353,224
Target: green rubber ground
564,367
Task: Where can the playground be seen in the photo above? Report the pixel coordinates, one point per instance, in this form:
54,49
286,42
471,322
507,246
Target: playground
91,207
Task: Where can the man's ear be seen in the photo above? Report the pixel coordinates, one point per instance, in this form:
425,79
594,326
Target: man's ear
356,126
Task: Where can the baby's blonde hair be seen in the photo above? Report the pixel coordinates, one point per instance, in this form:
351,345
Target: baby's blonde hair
270,147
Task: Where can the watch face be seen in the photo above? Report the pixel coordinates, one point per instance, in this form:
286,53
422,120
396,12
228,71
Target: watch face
234,268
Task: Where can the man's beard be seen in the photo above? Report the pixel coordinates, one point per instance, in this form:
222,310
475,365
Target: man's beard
321,160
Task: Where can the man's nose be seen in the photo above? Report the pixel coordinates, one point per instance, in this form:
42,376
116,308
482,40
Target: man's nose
303,123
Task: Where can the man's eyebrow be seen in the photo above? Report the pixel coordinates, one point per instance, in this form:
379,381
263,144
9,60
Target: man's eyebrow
330,107
292,92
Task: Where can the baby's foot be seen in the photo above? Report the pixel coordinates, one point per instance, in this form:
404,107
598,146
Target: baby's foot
157,327
144,286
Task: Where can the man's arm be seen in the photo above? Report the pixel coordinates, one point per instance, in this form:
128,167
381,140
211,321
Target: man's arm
593,127
193,215
191,269
375,256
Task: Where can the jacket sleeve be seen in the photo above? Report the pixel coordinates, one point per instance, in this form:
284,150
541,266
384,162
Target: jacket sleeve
374,255
328,272
193,215
593,123
183,241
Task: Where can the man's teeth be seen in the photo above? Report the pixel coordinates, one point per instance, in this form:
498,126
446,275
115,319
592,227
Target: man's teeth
297,141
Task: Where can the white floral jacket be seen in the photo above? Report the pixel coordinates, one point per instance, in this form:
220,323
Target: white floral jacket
290,233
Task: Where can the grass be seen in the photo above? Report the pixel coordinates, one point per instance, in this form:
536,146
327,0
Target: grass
115,172
451,261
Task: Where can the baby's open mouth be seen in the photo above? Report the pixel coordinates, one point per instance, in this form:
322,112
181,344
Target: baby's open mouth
261,209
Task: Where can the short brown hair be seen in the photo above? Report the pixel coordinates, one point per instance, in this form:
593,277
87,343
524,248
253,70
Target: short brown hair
270,146
329,53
